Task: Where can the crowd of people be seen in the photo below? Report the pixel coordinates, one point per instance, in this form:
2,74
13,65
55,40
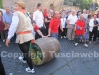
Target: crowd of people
71,24
16,25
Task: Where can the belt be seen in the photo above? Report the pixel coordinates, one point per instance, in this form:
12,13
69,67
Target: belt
25,32
72,24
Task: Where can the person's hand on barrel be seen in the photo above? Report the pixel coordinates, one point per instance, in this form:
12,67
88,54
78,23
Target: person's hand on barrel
48,35
43,36
7,42
49,32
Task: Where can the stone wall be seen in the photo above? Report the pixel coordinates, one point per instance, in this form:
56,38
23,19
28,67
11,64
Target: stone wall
31,4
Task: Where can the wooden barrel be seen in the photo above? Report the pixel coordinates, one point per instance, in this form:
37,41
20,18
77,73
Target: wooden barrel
44,50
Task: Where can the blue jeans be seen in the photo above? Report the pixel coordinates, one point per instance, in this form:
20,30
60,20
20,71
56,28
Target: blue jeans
55,35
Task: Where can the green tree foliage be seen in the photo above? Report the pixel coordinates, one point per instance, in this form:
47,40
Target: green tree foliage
0,3
85,4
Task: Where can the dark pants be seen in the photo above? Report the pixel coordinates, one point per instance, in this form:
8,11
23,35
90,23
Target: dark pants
37,36
98,33
93,34
64,32
59,31
4,35
80,37
25,49
2,71
46,30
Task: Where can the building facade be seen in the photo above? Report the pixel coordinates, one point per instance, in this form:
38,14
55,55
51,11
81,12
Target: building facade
31,4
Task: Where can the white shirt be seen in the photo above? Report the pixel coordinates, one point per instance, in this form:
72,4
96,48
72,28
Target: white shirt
13,27
98,28
91,24
72,19
38,17
85,16
63,22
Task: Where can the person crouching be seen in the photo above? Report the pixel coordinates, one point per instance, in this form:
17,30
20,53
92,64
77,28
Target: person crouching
36,29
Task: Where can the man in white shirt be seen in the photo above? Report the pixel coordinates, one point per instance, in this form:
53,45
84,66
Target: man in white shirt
39,19
85,14
72,18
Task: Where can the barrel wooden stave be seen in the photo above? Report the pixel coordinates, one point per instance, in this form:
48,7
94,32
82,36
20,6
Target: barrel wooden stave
48,45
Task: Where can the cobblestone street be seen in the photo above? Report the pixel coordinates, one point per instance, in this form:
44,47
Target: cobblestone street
58,66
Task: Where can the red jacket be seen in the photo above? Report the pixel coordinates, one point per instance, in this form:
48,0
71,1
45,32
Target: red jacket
80,27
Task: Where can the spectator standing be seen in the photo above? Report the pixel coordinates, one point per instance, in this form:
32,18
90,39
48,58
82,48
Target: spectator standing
78,14
63,23
71,21
31,16
80,30
85,14
93,27
54,24
2,30
7,19
87,27
45,13
7,16
52,12
47,22
97,14
39,19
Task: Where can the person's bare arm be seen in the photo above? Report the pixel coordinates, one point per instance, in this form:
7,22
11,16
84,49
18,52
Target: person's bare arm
40,33
47,20
49,32
68,22
61,27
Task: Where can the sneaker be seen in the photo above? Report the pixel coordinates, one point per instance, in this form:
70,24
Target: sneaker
85,45
21,59
11,74
69,39
94,42
87,41
72,39
61,37
30,70
64,36
90,42
3,40
76,44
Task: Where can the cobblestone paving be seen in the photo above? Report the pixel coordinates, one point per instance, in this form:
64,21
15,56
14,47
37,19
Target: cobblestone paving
64,65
